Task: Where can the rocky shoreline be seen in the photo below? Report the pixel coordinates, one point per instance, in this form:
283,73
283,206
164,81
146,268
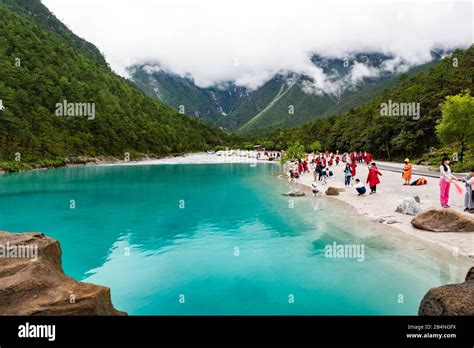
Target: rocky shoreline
452,299
32,281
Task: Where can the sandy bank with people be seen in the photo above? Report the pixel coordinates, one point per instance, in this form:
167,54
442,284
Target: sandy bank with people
381,206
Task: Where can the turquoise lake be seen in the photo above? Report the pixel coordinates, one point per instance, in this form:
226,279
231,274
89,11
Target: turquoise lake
203,239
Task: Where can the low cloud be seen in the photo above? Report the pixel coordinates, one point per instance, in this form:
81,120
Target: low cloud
248,41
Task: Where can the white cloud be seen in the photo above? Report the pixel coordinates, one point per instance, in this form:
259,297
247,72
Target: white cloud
206,37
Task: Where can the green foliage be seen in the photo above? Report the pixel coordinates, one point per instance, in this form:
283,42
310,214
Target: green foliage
315,146
52,70
294,152
457,122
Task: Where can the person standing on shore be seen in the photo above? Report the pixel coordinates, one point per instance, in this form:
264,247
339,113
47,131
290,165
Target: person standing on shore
445,181
373,178
407,169
353,166
347,175
469,195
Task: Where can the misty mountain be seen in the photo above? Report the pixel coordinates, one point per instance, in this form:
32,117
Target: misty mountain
287,99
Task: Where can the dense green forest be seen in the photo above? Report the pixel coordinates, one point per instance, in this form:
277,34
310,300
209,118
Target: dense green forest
40,68
389,137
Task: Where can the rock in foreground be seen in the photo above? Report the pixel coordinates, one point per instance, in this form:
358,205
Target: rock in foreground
453,299
40,287
443,220
332,191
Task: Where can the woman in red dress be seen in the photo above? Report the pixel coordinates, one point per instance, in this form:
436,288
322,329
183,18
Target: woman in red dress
368,158
373,178
353,166
300,166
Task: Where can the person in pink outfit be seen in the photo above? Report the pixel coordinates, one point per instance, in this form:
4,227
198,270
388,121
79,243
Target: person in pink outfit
445,182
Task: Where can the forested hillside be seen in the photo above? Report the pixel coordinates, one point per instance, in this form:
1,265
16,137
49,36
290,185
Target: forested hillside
363,128
41,67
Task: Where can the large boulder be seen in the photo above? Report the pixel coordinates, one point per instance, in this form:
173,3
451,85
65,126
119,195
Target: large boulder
453,299
32,281
443,220
332,191
408,206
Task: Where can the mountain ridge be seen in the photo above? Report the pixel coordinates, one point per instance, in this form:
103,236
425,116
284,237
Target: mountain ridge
252,113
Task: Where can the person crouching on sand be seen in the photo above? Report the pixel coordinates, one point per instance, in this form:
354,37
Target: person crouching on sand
360,188
314,188
294,175
407,169
445,181
373,178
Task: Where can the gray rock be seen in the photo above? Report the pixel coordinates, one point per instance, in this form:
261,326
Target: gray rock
408,206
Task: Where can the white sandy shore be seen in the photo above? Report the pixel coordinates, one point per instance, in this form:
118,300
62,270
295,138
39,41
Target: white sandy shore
380,206
196,158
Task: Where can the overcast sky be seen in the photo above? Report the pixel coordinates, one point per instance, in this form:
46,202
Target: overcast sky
206,38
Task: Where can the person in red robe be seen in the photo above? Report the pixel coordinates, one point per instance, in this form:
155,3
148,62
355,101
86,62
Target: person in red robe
368,158
353,166
373,178
330,162
300,166
326,153
337,160
305,167
324,162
